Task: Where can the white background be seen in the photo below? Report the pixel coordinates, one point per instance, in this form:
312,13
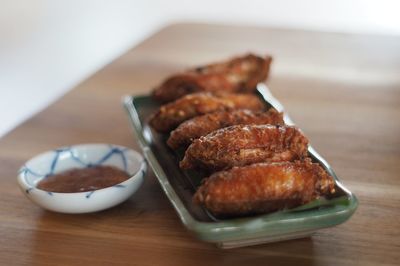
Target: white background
46,47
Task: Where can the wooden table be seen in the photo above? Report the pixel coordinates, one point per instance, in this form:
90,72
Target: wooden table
342,90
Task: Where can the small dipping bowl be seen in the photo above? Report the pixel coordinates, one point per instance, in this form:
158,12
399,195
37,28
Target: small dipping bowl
82,156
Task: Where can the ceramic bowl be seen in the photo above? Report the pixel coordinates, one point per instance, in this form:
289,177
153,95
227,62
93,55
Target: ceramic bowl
81,156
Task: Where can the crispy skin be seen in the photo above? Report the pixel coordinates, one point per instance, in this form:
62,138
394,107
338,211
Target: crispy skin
245,144
200,126
263,187
239,74
170,115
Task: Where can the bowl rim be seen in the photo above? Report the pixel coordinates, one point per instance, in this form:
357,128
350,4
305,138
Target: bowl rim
27,187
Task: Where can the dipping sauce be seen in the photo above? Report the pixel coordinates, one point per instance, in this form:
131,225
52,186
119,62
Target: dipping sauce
83,179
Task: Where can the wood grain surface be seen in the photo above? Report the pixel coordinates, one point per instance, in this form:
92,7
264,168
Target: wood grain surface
342,90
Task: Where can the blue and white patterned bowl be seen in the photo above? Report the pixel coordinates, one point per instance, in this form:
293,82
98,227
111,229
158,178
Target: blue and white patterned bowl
81,156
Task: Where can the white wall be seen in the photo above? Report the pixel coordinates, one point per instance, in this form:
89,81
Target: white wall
48,46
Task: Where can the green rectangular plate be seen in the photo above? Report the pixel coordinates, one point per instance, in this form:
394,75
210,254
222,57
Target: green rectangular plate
179,186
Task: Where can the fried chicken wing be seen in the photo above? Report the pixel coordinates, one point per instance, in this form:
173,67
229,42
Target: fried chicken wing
200,126
170,115
239,74
245,144
263,187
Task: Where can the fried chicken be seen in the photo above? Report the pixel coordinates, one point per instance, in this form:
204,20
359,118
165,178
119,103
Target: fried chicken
170,115
263,187
240,74
245,144
200,126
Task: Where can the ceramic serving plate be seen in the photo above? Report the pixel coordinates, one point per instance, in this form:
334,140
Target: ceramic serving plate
179,186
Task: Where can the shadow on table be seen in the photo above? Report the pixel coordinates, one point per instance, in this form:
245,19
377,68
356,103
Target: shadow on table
146,229
90,248
293,252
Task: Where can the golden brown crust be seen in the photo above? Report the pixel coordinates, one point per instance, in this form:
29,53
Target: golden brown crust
245,144
200,126
240,74
170,115
263,187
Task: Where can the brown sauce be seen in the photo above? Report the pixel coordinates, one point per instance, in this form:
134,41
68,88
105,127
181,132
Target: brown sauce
85,179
